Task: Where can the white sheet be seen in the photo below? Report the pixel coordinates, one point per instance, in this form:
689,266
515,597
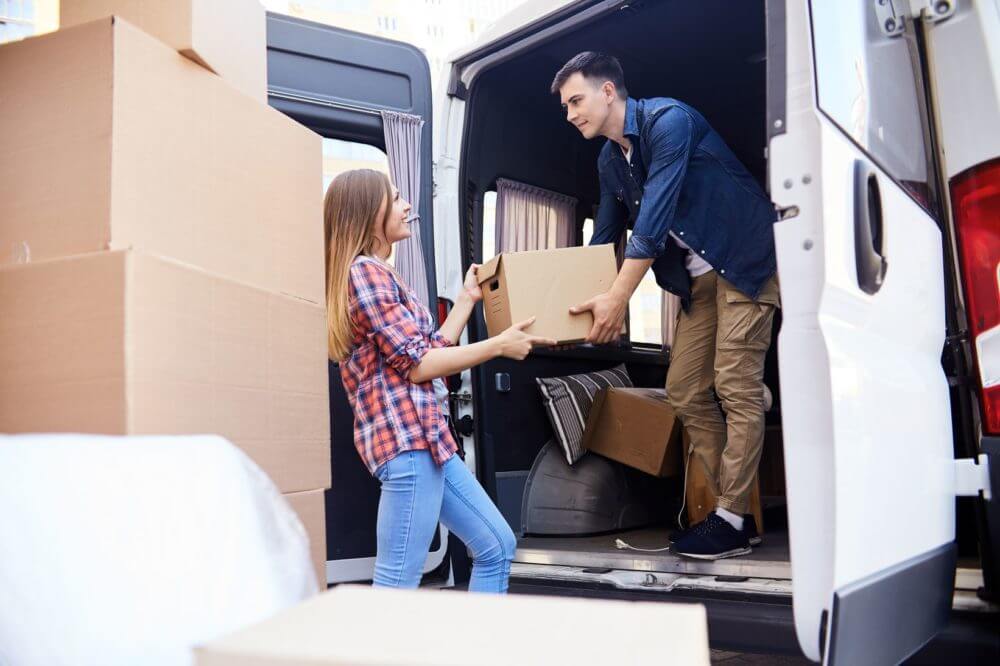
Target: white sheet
131,550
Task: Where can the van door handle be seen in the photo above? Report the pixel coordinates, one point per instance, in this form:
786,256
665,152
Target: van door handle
868,229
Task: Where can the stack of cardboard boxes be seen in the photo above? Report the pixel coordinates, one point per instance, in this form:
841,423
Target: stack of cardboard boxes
161,239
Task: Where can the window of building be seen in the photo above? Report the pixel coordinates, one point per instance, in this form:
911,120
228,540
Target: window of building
17,19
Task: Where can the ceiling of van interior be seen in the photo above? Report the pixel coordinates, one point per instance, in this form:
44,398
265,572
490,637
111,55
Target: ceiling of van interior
710,54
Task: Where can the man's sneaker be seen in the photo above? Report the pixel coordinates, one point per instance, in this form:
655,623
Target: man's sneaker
749,528
679,533
713,539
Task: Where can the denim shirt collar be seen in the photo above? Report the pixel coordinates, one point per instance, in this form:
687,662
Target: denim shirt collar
631,121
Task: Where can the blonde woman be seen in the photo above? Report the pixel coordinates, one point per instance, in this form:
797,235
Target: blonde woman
389,356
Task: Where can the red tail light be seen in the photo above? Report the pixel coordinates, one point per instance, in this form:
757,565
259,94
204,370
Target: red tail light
453,382
975,198
444,306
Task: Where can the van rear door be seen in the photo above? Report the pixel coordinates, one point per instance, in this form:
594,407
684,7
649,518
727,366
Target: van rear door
337,82
865,403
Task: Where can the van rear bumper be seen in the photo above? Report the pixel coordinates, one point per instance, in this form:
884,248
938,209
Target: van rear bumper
757,623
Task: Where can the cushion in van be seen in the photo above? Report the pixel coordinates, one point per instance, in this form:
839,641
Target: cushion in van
568,400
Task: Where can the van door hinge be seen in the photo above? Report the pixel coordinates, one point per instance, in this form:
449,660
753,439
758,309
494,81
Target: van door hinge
934,11
892,15
972,476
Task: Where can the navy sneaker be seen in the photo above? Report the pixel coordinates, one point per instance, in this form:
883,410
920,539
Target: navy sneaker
749,528
713,539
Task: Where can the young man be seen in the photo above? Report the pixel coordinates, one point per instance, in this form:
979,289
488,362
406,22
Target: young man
704,225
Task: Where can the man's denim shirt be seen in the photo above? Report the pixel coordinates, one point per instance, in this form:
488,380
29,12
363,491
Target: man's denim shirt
684,179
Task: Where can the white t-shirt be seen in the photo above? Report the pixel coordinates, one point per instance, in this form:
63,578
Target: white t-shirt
693,262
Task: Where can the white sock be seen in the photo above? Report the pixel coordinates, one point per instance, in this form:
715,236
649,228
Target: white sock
733,519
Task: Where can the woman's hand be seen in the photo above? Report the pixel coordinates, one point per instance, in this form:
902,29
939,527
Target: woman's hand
471,285
516,344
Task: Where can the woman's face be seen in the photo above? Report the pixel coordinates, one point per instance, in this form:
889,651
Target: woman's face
396,227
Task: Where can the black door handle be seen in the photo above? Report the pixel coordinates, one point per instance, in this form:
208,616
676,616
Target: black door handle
868,230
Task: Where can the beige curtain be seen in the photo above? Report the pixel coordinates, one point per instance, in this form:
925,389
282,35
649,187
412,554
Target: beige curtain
402,147
530,218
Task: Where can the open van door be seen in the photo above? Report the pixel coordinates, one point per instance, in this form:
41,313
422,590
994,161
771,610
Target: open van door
865,405
337,82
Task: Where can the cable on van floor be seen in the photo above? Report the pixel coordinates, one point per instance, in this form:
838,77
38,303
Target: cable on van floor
624,545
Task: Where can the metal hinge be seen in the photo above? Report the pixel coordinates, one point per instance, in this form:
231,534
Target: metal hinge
892,15
972,476
934,11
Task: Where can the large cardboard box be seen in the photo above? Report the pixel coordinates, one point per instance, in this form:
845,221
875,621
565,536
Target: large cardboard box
121,142
126,343
311,508
546,284
347,625
228,37
636,427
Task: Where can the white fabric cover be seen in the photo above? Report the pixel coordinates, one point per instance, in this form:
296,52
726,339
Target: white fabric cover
131,550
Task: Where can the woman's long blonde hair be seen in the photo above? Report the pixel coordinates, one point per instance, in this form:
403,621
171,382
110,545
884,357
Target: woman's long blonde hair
350,210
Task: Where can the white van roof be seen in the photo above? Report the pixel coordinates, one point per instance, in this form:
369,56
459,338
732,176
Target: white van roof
524,14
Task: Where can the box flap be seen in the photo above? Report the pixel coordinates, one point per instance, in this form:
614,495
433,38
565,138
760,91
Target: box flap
489,269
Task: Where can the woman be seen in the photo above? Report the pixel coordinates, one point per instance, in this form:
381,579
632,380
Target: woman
389,356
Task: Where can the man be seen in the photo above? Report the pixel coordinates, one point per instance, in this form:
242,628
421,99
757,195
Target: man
704,225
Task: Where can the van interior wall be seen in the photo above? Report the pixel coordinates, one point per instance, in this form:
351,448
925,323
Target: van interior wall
710,54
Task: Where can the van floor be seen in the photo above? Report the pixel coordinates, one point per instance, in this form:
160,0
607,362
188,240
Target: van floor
769,560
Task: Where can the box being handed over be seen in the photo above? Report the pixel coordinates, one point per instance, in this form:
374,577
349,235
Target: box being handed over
545,284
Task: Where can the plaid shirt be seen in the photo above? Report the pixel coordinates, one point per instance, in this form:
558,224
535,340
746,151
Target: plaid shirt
393,332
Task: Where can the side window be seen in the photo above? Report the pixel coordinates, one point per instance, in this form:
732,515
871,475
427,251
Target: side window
645,308
340,156
489,225
869,83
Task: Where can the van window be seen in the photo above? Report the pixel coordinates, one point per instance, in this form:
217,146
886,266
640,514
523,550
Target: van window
869,84
340,156
645,308
489,225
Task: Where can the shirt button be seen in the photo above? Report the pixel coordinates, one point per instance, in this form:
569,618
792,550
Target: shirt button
682,233
703,252
723,271
636,203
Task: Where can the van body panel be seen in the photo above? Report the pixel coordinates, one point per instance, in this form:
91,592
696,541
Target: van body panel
865,407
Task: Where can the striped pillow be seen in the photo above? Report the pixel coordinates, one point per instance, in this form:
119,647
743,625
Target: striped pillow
568,399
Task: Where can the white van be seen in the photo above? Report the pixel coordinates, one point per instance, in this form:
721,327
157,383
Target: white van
875,126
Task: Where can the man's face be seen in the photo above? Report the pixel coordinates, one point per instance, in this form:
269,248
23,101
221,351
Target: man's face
587,103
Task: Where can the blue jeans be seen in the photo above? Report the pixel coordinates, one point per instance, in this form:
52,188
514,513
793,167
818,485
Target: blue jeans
416,494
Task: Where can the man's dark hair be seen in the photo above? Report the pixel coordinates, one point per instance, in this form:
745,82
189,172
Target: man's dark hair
592,65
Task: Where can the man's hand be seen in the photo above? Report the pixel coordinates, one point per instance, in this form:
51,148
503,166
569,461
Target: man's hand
609,315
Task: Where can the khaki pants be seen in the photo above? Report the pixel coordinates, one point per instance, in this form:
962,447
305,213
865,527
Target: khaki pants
722,341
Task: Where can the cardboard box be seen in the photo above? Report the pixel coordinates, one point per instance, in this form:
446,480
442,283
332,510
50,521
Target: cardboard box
347,625
636,427
121,142
125,343
546,284
311,508
228,37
